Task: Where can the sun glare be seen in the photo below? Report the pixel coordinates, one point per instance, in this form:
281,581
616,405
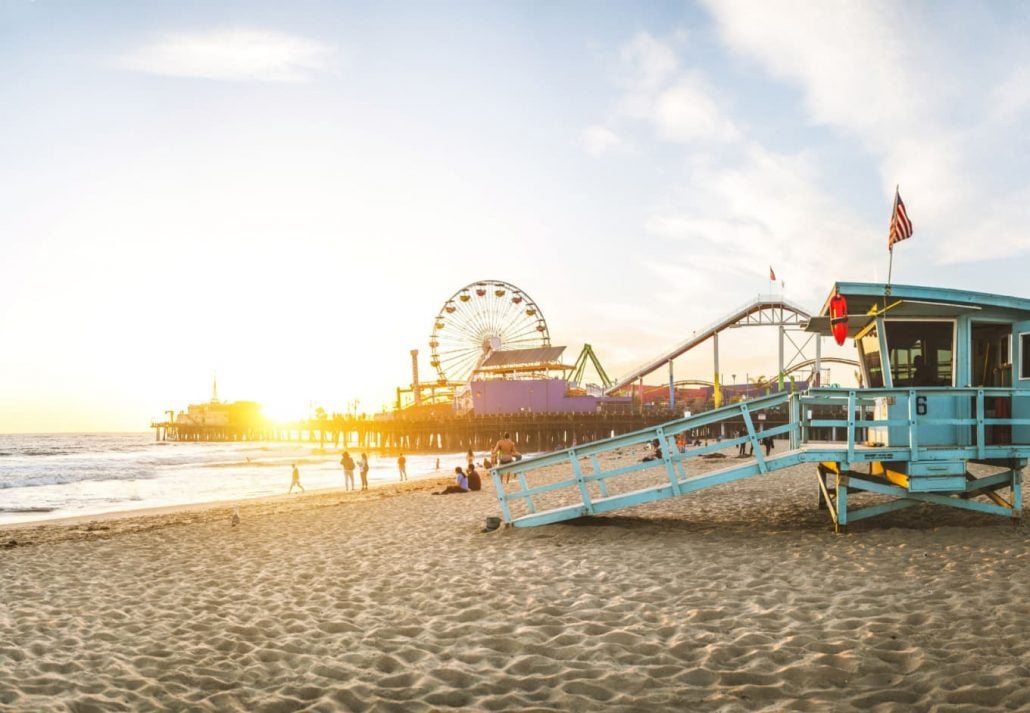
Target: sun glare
284,411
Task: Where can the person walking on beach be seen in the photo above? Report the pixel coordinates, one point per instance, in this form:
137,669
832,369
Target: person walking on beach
470,458
363,467
348,470
296,480
504,451
401,463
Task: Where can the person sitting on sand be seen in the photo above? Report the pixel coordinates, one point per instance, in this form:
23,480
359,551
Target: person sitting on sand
296,480
656,452
475,482
461,483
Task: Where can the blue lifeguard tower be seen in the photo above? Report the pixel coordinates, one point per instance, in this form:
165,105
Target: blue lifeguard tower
941,416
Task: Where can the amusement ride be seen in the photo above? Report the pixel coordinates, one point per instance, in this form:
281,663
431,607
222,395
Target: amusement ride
480,318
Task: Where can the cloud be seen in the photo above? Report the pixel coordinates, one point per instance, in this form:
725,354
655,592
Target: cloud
679,105
688,112
734,205
647,63
233,55
598,140
937,114
846,56
768,208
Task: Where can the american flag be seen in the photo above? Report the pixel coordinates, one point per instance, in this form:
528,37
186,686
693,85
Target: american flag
901,226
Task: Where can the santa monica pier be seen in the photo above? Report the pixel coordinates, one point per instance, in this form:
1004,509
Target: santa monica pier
493,368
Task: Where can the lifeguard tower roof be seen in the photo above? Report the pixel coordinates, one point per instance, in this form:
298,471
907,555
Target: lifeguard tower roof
869,299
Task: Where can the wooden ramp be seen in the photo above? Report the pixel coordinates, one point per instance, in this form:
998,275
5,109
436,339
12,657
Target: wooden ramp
610,474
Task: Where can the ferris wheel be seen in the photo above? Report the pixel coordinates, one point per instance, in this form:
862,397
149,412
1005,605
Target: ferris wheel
484,316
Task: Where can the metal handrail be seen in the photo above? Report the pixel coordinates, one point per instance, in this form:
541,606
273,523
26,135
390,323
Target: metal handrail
797,427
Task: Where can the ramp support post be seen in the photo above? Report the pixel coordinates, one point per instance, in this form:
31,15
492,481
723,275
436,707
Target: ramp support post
841,523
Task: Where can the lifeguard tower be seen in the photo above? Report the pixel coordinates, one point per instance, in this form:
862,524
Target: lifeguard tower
941,416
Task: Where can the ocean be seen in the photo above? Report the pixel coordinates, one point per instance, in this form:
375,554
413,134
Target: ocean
48,476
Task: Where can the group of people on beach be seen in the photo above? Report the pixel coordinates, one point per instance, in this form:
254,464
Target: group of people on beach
767,443
348,473
348,470
463,482
503,452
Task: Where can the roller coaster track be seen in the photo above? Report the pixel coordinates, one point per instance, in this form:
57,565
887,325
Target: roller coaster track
793,368
763,311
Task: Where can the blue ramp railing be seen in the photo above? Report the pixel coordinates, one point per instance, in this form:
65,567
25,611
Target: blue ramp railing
827,424
596,482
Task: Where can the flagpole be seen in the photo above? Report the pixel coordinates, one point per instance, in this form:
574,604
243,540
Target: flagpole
890,246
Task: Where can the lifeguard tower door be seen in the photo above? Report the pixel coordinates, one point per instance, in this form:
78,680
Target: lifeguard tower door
991,368
1021,379
921,355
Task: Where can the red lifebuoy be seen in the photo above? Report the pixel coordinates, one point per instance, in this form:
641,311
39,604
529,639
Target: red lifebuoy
839,318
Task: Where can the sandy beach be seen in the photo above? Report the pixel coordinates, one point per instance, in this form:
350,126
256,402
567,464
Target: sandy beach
736,598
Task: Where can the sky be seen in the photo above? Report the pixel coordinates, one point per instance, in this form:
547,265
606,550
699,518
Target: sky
285,194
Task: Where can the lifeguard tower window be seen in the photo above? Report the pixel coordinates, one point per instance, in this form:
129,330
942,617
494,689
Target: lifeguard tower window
921,352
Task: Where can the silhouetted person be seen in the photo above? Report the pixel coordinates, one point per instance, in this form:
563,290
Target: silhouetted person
923,373
402,463
296,480
348,470
363,467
